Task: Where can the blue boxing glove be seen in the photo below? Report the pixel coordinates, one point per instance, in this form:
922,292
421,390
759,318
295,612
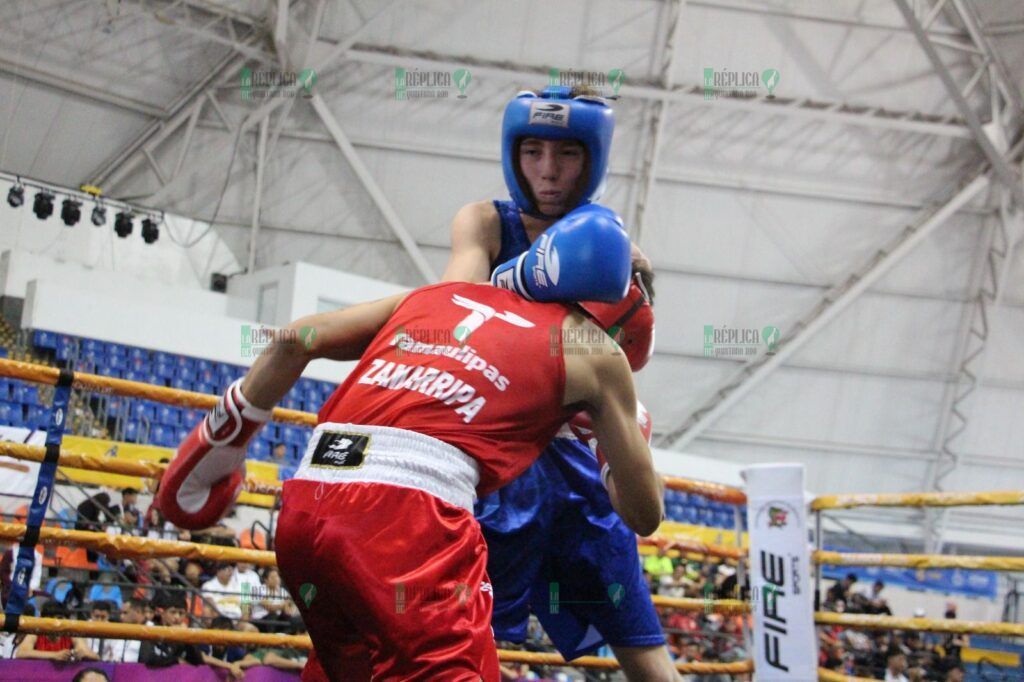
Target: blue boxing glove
585,256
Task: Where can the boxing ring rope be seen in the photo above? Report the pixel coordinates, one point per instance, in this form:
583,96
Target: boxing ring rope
42,374
989,563
965,627
131,547
998,497
78,460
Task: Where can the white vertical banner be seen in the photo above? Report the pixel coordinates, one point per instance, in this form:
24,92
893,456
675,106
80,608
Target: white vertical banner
781,589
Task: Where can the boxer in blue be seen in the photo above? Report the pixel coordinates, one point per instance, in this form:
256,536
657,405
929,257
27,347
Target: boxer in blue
556,547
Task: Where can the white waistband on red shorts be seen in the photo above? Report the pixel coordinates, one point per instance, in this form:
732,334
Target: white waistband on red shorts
399,457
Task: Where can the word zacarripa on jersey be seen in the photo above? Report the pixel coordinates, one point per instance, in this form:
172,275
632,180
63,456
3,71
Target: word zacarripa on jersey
444,386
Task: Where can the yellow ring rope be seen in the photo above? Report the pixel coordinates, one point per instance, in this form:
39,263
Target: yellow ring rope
42,374
1000,497
989,563
968,627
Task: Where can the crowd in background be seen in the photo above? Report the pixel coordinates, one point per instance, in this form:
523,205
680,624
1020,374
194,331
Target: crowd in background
170,591
235,596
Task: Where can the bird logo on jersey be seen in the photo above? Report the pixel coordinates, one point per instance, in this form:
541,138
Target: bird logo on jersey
482,313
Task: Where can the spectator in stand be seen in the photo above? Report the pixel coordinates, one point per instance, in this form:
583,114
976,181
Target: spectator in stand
193,597
55,648
157,527
251,587
224,592
280,454
674,585
955,674
279,607
875,602
127,650
106,590
90,675
896,665
659,564
228,653
129,502
282,659
171,611
99,612
840,591
94,513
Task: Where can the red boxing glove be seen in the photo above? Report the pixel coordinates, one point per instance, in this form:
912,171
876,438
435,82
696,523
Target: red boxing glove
208,472
583,429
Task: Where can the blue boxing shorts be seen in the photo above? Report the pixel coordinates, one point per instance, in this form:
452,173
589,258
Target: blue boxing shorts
557,547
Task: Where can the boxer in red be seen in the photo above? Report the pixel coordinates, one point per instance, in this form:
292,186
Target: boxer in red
458,388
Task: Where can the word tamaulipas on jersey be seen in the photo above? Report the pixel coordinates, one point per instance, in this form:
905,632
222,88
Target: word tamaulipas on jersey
433,382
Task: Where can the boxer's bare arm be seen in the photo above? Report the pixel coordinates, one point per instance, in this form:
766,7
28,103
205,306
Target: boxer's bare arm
476,239
599,380
336,335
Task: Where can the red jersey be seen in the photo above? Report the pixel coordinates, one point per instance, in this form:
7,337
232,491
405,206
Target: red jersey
471,365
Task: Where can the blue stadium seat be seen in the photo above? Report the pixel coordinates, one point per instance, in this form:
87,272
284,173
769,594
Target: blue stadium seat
184,362
186,373
690,515
117,362
166,414
271,432
5,389
5,411
4,353
164,370
131,431
65,353
292,404
92,345
207,376
200,387
180,434
138,354
162,435
204,366
286,472
152,378
24,393
37,417
259,449
116,350
44,340
159,357
142,410
181,384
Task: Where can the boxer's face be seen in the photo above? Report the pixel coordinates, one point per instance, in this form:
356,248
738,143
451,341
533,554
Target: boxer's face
553,169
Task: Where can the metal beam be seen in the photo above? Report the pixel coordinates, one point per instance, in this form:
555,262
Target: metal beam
261,153
998,261
1006,174
18,69
800,108
372,188
833,303
656,124
182,111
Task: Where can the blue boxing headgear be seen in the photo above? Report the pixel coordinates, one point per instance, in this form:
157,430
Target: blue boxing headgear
554,116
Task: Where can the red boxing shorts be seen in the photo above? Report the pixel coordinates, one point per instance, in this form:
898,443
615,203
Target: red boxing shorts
391,579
